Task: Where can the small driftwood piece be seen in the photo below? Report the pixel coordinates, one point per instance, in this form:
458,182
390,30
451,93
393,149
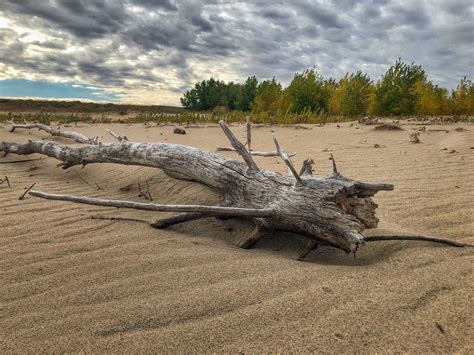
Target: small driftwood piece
19,161
76,136
22,196
414,137
333,210
5,179
116,136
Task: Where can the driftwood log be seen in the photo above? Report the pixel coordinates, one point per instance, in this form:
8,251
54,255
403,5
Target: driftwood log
332,210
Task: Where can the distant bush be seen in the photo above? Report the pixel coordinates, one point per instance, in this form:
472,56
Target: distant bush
462,99
396,93
309,91
352,95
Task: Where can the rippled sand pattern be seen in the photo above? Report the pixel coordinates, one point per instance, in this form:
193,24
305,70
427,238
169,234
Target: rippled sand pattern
70,283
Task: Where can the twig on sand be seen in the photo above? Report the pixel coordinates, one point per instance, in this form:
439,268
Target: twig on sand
96,186
6,180
19,161
128,219
27,190
376,238
146,194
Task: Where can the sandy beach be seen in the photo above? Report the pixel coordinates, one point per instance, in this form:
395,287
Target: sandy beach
73,284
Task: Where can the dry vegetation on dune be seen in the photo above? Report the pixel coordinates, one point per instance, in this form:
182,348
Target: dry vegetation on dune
71,283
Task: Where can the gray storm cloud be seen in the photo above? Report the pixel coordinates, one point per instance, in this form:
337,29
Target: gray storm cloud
168,45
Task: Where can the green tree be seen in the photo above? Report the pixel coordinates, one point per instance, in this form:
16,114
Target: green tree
432,100
270,97
249,92
462,99
233,95
309,91
206,95
396,93
352,95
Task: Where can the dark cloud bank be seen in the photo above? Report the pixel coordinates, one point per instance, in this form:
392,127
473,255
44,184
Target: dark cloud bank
162,47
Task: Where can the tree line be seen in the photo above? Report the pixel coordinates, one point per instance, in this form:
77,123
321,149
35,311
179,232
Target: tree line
403,90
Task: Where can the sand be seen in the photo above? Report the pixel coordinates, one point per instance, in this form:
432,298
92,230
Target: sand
70,283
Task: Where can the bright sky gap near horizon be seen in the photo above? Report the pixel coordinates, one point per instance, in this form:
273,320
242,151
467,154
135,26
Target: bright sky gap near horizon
151,51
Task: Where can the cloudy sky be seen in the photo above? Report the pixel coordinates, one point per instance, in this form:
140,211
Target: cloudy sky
151,51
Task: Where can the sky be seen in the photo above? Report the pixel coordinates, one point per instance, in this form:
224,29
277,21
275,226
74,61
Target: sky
152,51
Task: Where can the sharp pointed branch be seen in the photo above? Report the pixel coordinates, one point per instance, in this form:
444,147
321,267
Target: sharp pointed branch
334,168
226,211
249,134
239,147
287,160
5,179
126,219
116,136
180,218
376,238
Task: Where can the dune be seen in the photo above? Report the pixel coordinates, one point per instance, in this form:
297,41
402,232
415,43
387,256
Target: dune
70,283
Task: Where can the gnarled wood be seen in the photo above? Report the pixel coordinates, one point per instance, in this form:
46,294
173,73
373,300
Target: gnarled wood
332,210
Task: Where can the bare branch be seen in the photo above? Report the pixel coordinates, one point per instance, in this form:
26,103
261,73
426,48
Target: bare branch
249,134
19,161
127,219
376,238
146,194
76,136
116,136
22,196
96,186
334,168
286,159
226,211
180,218
239,147
5,180
254,152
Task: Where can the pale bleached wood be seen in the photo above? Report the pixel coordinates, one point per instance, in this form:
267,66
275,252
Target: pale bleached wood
116,136
249,134
286,159
254,152
239,147
249,143
76,136
218,210
332,210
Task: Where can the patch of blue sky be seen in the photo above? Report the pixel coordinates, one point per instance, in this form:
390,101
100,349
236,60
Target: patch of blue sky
22,88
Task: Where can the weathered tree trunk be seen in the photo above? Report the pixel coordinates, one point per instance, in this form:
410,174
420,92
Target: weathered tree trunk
331,210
